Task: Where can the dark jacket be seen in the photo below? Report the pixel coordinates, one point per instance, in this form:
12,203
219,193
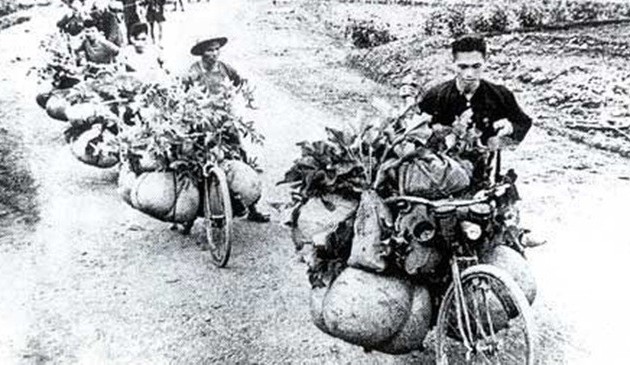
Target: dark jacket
489,103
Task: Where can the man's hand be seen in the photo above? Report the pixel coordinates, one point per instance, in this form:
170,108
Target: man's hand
500,143
503,127
466,117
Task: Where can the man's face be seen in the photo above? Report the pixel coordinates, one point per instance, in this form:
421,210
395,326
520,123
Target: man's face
211,54
90,33
140,42
469,67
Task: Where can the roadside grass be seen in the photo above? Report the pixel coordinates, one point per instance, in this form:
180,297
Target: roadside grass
18,190
11,6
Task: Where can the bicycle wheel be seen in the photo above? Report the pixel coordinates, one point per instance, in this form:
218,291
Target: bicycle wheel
217,216
499,328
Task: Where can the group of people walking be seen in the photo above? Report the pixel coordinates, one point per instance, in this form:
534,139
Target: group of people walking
151,10
133,12
102,44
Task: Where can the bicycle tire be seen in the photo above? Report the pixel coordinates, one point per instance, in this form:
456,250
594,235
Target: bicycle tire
218,216
511,300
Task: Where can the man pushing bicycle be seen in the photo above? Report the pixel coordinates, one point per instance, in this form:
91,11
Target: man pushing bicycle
469,102
212,75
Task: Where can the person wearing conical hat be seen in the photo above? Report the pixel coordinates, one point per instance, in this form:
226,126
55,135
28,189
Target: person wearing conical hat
213,75
210,72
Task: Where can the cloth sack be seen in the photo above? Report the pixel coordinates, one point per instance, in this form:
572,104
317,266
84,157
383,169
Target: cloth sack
434,177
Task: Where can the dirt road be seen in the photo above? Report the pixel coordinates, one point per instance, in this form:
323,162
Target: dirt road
95,282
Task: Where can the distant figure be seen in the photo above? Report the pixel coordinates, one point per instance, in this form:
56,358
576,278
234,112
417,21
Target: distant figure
143,59
181,4
130,15
155,14
96,47
106,22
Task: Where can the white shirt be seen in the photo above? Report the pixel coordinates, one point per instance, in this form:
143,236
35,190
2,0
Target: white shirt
146,65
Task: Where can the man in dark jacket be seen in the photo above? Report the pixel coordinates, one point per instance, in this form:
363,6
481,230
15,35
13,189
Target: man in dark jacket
490,107
472,101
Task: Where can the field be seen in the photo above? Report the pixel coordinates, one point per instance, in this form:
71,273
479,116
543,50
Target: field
573,81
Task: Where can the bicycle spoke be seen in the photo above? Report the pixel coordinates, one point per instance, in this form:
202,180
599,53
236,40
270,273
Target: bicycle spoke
488,315
498,328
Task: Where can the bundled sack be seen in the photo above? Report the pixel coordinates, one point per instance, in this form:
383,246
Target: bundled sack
368,251
434,176
83,113
57,105
97,146
320,217
382,313
514,264
42,98
165,196
243,181
126,181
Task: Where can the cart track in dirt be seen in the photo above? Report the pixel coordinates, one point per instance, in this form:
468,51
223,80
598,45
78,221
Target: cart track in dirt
98,282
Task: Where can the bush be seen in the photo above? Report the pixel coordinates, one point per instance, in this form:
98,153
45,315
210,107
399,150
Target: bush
456,20
584,11
615,11
557,12
492,18
530,15
7,7
435,22
449,21
366,34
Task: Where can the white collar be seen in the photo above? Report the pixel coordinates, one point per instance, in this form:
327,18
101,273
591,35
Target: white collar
468,96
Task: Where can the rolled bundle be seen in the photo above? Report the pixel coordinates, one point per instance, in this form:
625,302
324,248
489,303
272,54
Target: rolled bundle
514,264
57,105
378,312
42,98
126,182
243,181
368,251
319,217
166,197
80,113
96,147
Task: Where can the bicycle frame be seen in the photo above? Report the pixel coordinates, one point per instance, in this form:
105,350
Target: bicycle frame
457,249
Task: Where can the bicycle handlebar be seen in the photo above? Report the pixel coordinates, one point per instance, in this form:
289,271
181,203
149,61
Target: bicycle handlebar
480,197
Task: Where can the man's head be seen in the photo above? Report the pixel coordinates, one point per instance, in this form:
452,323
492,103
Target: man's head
139,33
469,57
211,53
90,29
209,49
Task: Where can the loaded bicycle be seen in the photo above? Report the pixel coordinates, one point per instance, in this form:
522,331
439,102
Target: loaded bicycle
425,247
484,316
